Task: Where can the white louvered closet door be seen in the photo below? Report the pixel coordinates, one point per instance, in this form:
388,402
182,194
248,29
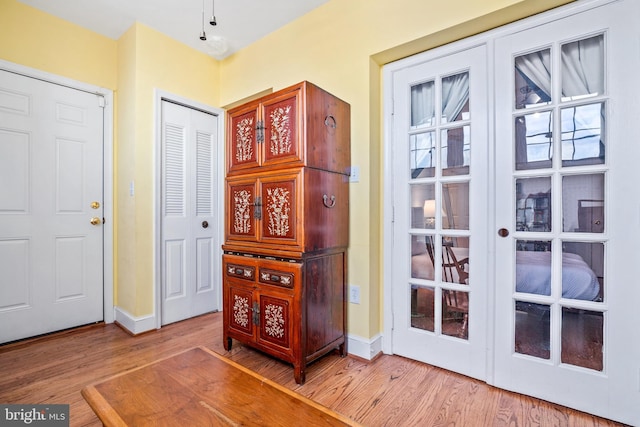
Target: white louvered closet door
189,204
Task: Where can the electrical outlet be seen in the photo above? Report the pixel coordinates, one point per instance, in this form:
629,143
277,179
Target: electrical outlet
355,174
354,294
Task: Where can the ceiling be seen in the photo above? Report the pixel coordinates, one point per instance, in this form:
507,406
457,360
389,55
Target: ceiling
239,22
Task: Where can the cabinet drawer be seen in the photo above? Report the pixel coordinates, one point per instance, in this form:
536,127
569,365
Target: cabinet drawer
277,278
240,271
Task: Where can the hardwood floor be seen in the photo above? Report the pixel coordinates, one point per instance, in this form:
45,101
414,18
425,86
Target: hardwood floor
388,391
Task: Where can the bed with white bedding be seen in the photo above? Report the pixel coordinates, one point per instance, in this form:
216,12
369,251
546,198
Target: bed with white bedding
533,273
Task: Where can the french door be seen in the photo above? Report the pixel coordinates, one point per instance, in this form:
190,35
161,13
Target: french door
566,213
439,257
539,226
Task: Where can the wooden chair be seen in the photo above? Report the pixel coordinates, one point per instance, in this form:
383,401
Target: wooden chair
455,304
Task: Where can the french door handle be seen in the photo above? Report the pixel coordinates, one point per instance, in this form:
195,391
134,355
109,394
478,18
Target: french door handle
503,232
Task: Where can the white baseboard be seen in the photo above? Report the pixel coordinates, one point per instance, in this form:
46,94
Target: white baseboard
135,325
364,348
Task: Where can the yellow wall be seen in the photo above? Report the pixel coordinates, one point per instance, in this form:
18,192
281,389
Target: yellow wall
340,47
35,39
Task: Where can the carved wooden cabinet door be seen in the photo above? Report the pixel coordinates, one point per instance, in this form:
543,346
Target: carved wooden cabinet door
265,133
282,129
242,206
265,209
279,200
243,135
275,320
240,309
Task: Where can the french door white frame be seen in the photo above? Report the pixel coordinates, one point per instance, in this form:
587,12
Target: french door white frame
218,227
107,156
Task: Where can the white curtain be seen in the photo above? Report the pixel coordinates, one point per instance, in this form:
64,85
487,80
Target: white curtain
536,67
455,94
423,104
582,74
583,67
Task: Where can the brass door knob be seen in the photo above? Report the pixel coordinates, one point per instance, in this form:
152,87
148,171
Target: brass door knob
95,220
95,205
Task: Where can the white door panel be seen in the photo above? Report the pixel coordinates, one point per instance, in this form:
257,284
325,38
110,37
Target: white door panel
440,159
51,145
565,168
189,145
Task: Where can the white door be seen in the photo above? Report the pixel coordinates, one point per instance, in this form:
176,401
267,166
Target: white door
51,234
568,212
440,204
190,241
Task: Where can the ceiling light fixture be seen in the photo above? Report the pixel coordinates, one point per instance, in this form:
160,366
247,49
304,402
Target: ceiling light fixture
203,36
212,21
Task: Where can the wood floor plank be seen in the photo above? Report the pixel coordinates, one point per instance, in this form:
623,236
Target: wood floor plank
388,391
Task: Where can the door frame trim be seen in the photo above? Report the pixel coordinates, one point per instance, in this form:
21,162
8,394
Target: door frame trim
160,96
108,310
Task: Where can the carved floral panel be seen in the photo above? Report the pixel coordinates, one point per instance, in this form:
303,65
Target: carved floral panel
241,210
280,128
241,311
274,320
244,135
279,209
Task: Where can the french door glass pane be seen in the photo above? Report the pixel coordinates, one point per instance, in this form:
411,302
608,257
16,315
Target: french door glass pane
455,151
533,79
582,338
583,68
532,329
455,206
583,203
583,135
533,267
423,112
583,270
455,98
455,313
422,307
423,155
533,204
423,209
534,140
422,257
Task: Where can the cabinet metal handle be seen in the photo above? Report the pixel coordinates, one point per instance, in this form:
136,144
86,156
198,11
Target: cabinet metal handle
330,121
256,314
205,224
328,202
257,208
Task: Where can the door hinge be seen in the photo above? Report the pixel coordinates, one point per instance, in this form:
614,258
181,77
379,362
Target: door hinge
101,101
257,209
260,131
256,314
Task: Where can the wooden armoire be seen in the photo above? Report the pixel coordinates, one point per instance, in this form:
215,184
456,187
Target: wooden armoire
287,225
